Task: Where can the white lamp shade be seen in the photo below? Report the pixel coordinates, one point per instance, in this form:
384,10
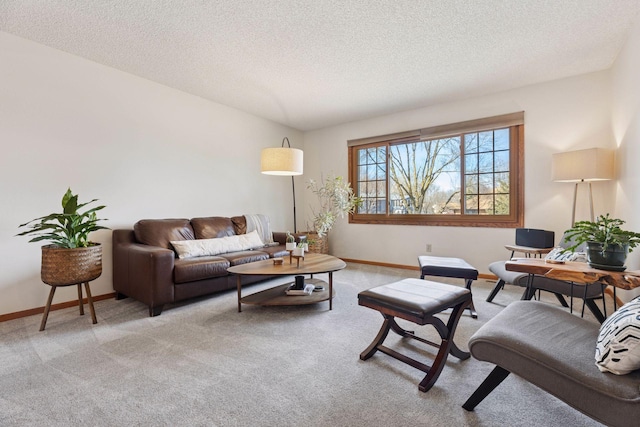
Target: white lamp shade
593,164
281,161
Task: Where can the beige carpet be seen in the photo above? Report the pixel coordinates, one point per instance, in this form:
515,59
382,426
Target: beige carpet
205,364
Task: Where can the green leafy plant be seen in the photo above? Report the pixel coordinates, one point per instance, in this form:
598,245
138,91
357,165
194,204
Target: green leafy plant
69,229
604,230
337,199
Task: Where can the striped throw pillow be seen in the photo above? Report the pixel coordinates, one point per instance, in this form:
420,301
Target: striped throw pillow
618,345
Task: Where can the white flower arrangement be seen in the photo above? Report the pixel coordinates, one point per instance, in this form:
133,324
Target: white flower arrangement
336,200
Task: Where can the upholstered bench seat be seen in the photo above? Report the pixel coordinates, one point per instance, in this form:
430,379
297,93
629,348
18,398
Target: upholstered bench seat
417,301
554,350
414,299
449,267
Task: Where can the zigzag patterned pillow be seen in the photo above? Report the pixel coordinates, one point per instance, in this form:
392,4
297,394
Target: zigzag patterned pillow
618,344
558,254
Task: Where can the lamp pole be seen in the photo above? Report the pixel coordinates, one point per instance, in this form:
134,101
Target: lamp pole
293,187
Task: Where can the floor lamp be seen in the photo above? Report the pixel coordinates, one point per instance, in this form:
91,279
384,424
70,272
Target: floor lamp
283,161
583,166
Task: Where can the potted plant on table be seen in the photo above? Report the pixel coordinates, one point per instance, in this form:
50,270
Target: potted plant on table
607,244
70,258
337,199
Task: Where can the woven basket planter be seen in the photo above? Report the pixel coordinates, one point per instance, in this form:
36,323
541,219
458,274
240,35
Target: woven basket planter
320,245
63,266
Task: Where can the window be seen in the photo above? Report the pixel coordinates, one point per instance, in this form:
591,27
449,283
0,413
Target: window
462,174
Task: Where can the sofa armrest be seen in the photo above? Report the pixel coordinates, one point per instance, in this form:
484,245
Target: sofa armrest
141,271
281,236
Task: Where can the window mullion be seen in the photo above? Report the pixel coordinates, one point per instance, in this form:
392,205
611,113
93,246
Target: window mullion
463,183
489,192
387,181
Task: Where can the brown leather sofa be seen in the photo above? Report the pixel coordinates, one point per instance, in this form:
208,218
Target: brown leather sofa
146,268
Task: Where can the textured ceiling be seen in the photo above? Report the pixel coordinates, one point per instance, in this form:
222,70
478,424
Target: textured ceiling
315,63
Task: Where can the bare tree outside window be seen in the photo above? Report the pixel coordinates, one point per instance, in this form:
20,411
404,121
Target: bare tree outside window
409,179
414,170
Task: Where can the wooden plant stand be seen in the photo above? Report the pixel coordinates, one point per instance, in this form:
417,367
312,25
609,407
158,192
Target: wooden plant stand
80,303
69,267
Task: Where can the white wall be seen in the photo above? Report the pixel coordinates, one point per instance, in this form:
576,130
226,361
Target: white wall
144,150
626,129
562,115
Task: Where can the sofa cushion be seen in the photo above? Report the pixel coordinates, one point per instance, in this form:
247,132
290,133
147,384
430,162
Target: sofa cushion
239,224
243,257
618,344
160,232
208,247
192,269
212,227
275,251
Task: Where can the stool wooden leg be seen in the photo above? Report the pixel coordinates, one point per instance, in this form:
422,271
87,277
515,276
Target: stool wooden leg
379,339
47,307
452,324
446,346
90,300
80,302
471,307
398,329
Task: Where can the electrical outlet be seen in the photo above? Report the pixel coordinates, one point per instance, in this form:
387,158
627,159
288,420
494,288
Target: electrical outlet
428,247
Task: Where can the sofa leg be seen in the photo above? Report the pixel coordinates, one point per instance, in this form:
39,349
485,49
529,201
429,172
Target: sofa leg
155,311
492,381
120,296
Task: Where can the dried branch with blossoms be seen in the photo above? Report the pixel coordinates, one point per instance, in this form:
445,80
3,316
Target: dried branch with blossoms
337,199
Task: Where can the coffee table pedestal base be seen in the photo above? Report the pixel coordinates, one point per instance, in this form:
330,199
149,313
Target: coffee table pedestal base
277,296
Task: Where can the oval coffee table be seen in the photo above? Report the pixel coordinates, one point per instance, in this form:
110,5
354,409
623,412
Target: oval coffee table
312,263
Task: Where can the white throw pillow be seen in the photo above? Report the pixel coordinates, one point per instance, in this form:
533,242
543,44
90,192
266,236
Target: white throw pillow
618,344
221,245
250,241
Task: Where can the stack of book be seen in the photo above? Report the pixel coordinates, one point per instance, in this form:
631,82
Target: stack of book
307,290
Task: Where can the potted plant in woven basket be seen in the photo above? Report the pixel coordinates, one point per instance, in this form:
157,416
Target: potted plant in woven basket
337,199
70,258
607,244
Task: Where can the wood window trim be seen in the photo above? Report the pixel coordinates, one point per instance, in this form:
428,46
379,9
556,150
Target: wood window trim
442,131
515,220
